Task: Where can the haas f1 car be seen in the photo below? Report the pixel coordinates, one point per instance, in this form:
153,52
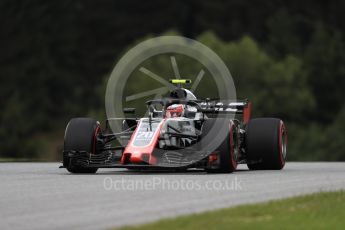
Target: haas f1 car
180,132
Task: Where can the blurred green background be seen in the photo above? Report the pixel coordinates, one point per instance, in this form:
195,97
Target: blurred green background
288,57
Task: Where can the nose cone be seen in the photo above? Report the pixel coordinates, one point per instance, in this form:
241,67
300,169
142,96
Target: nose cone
136,157
139,158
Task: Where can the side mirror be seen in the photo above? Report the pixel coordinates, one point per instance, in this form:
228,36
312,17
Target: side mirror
129,110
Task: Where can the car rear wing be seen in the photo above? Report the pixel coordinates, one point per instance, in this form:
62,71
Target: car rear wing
211,106
242,107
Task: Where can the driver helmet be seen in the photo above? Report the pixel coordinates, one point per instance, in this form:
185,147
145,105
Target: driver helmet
176,110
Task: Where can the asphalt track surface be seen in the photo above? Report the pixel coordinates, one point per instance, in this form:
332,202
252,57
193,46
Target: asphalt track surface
42,196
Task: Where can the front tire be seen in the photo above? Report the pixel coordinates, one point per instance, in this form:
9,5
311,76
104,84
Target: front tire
266,141
80,135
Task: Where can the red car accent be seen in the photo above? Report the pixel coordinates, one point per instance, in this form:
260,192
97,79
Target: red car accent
139,154
247,112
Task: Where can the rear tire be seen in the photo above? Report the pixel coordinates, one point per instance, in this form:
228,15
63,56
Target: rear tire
266,141
80,135
226,150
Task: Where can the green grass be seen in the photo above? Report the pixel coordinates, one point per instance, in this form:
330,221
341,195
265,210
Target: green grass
316,211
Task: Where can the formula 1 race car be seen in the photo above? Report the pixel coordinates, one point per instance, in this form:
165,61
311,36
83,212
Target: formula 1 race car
179,133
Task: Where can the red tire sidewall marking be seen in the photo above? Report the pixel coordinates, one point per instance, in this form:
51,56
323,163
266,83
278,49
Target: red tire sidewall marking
281,131
97,131
232,156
